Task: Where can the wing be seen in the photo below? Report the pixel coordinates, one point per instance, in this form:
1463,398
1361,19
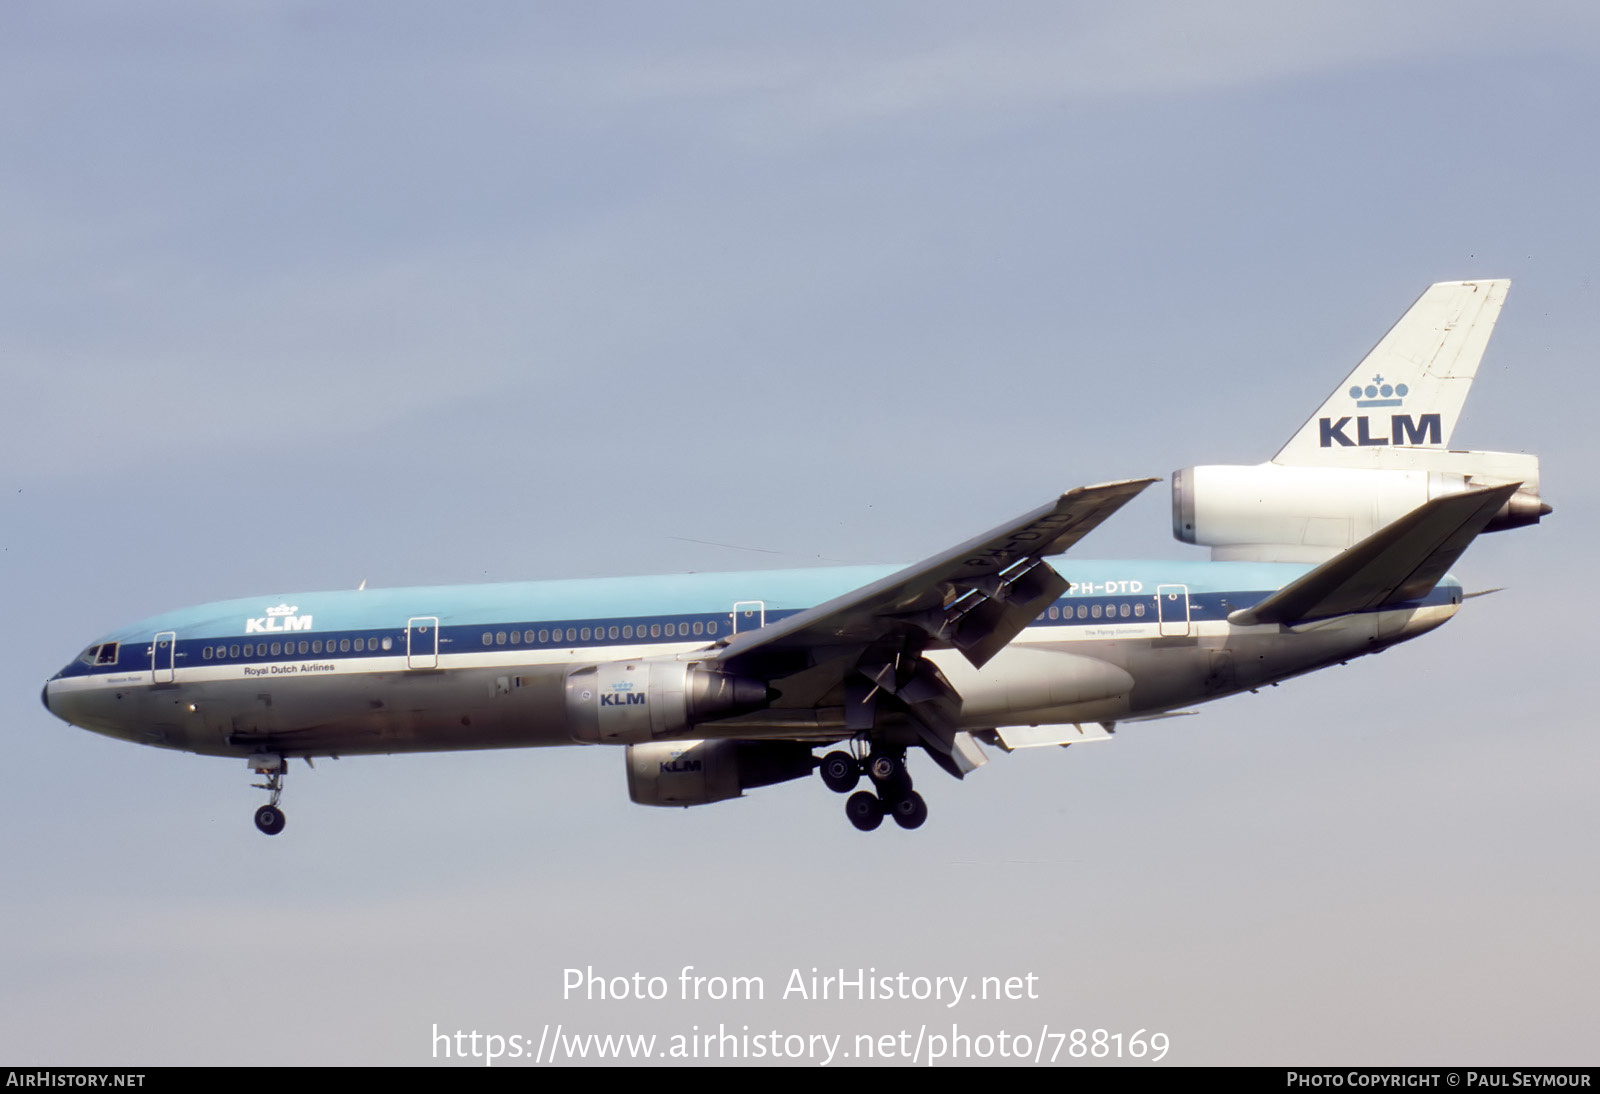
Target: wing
863,652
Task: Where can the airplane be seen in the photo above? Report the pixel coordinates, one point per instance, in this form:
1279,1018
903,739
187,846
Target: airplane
718,683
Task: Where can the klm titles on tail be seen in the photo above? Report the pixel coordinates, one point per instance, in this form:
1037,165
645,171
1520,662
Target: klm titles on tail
1402,430
1426,429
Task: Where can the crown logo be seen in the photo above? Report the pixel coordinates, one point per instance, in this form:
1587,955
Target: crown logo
1379,393
282,609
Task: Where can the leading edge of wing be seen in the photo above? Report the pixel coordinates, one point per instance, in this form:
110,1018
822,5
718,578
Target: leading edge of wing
980,566
1401,561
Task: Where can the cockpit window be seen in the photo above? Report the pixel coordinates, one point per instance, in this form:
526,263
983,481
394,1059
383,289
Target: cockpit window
88,655
107,655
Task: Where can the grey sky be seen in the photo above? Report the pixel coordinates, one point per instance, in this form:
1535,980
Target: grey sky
298,295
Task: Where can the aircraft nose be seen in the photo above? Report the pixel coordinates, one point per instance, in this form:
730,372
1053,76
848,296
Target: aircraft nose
44,696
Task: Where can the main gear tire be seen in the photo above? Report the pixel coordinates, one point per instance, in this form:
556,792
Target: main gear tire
840,772
864,810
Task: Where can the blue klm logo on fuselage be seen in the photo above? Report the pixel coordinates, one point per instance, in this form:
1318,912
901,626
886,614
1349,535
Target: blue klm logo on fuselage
1403,429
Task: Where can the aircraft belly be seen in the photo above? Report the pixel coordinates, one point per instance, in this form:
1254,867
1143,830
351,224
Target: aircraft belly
1041,685
351,713
1406,625
1026,684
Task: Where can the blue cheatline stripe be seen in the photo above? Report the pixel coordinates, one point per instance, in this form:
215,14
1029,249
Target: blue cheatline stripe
135,655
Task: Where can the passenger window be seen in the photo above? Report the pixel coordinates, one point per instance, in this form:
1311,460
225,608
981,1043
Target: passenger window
1138,609
699,628
316,647
488,639
233,651
1095,611
500,638
544,636
249,650
205,654
527,636
1123,611
655,630
277,648
516,638
388,644
627,632
572,634
711,627
612,632
344,645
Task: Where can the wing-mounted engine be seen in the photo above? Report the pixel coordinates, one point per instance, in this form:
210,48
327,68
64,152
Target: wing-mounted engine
701,772
625,702
1273,513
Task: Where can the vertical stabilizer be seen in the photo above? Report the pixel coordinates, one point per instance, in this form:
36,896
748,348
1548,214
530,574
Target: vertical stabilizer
1410,389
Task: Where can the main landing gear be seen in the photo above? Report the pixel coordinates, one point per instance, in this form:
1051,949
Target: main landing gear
269,818
886,767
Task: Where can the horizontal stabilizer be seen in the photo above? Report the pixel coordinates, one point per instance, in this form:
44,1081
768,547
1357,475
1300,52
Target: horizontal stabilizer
1400,562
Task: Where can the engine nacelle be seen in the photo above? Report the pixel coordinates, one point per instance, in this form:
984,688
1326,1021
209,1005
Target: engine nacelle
1272,512
625,702
701,772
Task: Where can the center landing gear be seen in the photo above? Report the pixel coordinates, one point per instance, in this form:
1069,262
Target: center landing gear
269,818
894,797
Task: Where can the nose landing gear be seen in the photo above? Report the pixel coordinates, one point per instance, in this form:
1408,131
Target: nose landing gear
269,818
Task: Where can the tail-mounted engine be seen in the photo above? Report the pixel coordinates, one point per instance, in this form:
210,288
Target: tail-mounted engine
1271,512
624,702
